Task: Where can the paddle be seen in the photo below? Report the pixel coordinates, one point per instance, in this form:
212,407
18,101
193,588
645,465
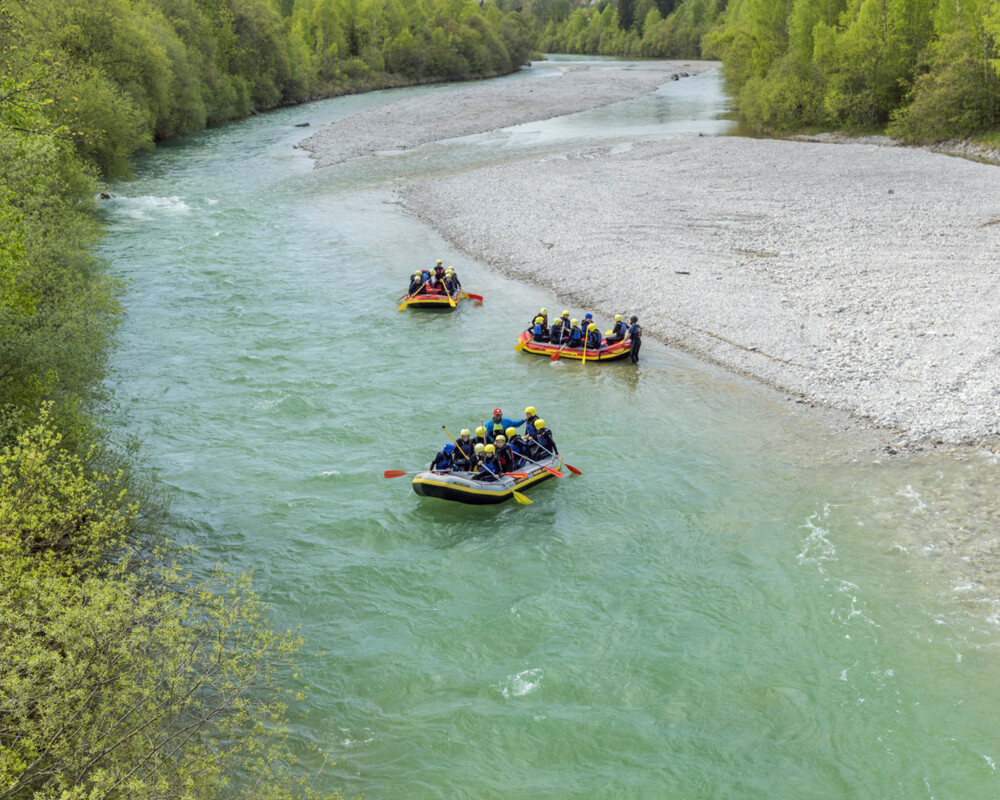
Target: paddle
409,297
469,296
519,346
570,467
524,501
585,351
398,473
555,472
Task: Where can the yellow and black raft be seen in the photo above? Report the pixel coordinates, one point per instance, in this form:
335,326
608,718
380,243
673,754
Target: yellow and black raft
461,488
436,300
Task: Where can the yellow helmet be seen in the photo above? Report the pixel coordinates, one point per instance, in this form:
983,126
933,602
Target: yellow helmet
438,263
490,448
591,327
565,313
539,320
417,274
449,271
465,432
511,432
530,411
539,424
618,317
574,322
480,431
543,311
480,447
501,439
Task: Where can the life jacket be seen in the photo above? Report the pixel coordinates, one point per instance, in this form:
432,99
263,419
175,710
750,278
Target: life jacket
538,329
620,329
556,334
636,331
575,336
593,340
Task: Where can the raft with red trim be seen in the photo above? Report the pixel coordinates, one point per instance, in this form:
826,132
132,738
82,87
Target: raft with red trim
459,486
608,352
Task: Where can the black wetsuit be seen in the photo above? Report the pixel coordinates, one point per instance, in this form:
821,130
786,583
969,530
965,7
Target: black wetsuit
635,331
617,332
442,462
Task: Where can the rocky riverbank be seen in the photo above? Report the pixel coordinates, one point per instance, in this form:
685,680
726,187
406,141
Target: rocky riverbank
860,276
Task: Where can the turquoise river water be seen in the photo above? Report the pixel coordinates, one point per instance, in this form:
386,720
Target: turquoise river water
730,602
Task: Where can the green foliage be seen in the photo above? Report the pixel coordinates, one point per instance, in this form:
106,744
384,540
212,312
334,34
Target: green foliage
119,677
628,29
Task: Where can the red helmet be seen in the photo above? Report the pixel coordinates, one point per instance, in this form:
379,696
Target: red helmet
497,411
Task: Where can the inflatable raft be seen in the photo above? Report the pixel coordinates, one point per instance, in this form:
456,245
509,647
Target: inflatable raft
461,488
608,352
430,301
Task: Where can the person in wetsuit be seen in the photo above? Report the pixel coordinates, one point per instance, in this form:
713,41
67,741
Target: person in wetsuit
618,331
593,338
464,451
575,335
545,445
443,461
489,467
635,336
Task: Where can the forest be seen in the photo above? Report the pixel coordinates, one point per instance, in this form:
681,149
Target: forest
918,70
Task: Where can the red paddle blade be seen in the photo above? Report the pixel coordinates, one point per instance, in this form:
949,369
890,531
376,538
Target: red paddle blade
395,473
572,469
517,474
555,472
554,356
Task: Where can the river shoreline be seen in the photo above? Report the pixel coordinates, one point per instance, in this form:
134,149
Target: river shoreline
856,277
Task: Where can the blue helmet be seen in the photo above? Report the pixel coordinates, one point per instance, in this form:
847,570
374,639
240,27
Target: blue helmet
588,316
449,448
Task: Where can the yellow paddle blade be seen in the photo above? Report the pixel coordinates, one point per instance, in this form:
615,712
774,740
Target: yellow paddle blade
518,347
404,305
524,501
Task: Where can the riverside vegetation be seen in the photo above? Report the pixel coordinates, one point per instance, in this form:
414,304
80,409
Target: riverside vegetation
120,675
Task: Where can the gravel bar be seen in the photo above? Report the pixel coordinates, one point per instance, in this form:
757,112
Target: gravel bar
859,276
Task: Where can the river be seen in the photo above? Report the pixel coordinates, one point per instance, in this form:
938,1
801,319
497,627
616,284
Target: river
736,599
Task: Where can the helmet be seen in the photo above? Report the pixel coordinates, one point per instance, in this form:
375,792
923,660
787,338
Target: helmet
565,313
497,412
543,311
588,316
618,317
479,447
501,439
465,432
490,448
417,274
530,411
539,424
449,448
438,263
539,320
633,320
591,327
480,431
511,432
574,322
449,271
